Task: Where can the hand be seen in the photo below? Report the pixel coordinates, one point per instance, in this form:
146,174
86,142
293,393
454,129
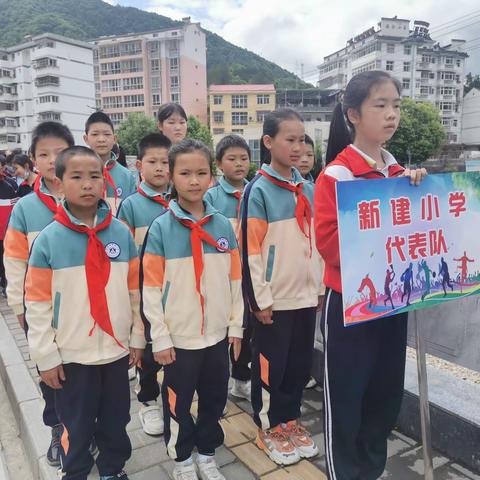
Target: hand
321,299
416,175
135,358
237,346
53,377
265,316
21,320
165,357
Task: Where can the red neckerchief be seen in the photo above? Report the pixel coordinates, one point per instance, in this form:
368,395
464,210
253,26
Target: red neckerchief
97,269
47,200
238,196
303,211
197,236
157,198
108,179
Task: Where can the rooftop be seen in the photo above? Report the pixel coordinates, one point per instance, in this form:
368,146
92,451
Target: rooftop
242,88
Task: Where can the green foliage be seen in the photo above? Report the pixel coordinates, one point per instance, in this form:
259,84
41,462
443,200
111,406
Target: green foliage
133,129
420,133
89,19
471,81
252,171
199,131
468,181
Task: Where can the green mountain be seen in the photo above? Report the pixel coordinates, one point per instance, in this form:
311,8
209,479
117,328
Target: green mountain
88,19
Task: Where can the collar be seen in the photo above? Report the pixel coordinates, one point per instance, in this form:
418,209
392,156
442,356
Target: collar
182,214
45,190
296,177
102,212
113,159
228,187
388,158
153,193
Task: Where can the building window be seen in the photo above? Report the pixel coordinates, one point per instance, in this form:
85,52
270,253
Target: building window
134,100
44,63
459,62
131,66
174,81
155,65
448,60
175,97
131,48
406,83
49,116
446,90
111,85
49,99
446,122
134,83
109,51
217,99
254,151
47,81
455,122
111,68
218,117
112,102
116,118
156,83
389,66
407,49
240,118
263,99
239,101
218,131
240,131
406,66
174,63
390,48
261,116
156,100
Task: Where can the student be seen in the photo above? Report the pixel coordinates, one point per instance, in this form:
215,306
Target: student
23,166
30,216
192,298
307,162
82,338
364,364
233,159
172,122
282,278
101,138
138,211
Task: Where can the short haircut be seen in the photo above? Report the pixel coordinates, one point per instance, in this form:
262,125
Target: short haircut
153,140
230,141
65,155
98,117
50,130
168,109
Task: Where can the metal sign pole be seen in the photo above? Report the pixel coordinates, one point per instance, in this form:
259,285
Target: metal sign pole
423,394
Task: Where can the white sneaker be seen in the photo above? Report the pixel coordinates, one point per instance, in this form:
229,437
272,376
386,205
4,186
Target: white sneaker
241,389
312,383
185,472
208,469
151,419
132,373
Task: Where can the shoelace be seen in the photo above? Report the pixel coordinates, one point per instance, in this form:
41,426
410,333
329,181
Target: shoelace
280,436
188,475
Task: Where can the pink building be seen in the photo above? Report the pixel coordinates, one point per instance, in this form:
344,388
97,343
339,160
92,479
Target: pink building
139,72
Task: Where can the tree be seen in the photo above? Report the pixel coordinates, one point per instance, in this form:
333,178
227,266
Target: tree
420,134
199,131
471,81
133,129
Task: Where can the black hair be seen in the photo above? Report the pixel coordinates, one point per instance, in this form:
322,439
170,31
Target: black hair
231,141
187,145
120,155
21,159
98,117
357,91
3,159
65,155
153,140
47,130
168,109
271,126
309,141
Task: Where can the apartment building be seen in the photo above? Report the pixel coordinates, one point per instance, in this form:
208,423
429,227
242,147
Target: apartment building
48,77
139,72
428,72
471,119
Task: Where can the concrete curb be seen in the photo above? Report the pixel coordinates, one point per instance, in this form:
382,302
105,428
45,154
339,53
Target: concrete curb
25,399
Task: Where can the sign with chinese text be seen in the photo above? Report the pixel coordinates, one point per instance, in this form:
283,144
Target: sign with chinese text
403,247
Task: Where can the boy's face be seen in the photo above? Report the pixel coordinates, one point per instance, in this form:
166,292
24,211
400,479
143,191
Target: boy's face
83,182
101,139
305,164
235,164
46,152
154,167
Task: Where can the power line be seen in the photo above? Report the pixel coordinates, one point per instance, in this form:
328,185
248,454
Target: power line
461,19
455,28
455,19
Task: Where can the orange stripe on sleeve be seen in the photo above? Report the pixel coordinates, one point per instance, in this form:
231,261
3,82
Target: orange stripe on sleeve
256,231
133,274
38,284
235,265
172,401
16,244
153,270
264,370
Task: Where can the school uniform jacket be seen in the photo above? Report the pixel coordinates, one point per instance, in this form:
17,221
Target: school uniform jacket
138,212
350,164
124,182
57,301
8,198
170,302
278,269
221,196
29,217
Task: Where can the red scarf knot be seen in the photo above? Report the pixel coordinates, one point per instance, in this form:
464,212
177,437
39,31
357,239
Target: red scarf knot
157,198
47,200
109,180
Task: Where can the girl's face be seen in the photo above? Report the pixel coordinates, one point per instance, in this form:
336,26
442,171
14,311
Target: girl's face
287,147
306,162
191,176
379,114
174,128
45,154
21,172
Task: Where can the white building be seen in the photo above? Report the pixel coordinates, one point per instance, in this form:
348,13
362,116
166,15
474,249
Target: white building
471,119
428,72
49,77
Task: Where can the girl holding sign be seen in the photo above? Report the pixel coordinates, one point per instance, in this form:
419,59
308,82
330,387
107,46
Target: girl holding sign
364,364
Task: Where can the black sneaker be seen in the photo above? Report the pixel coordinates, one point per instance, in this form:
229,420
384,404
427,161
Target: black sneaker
119,476
53,453
93,449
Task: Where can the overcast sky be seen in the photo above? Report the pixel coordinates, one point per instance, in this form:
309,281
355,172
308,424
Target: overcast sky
291,33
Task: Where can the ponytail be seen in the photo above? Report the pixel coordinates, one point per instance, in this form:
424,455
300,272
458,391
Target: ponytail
265,155
340,136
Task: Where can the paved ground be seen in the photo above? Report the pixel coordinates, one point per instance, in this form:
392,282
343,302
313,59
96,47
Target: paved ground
239,457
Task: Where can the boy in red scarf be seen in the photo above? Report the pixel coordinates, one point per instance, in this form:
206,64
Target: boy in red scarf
82,301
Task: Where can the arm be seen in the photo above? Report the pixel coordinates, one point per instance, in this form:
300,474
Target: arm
235,323
125,214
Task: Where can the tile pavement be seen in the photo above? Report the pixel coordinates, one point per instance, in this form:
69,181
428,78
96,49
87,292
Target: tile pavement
239,458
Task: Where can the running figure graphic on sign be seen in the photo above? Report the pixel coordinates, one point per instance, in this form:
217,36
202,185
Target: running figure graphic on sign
463,267
407,279
389,277
445,276
367,283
